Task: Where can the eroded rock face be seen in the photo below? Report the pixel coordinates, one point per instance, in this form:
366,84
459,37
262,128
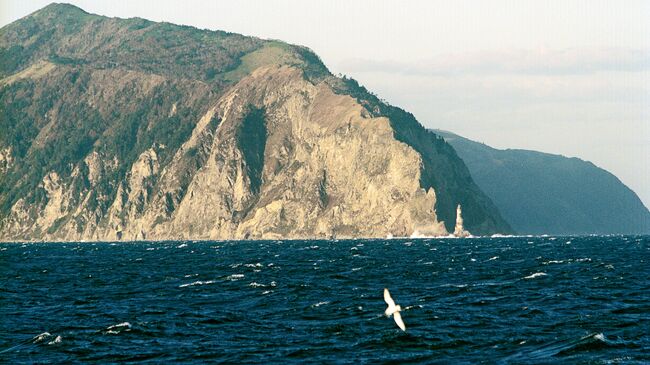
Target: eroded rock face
291,159
459,230
283,151
286,159
6,160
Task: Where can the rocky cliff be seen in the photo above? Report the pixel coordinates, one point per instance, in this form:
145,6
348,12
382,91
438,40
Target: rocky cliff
541,193
129,129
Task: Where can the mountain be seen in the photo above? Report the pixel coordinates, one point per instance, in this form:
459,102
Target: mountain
543,193
130,129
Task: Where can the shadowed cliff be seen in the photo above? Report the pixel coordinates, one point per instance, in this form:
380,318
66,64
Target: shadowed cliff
541,193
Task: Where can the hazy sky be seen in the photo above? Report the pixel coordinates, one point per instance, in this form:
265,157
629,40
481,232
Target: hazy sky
566,77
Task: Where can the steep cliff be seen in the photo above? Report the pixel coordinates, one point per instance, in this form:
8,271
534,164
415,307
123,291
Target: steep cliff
542,193
128,129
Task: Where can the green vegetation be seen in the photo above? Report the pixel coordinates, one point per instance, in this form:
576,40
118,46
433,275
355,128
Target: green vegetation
251,138
540,193
122,86
442,169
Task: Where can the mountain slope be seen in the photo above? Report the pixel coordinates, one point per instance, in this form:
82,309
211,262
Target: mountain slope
542,193
130,129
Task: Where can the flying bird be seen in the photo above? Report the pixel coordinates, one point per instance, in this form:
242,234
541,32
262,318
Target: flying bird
393,310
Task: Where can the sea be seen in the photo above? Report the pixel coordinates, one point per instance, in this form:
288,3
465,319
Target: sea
501,300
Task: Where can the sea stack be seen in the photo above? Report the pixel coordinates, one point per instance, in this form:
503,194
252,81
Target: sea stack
459,230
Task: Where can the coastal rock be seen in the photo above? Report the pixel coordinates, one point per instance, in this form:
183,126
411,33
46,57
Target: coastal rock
258,141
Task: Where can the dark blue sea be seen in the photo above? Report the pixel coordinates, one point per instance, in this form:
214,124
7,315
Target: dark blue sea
517,300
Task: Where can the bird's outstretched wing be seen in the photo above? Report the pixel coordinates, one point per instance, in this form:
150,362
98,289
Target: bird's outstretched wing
398,320
388,299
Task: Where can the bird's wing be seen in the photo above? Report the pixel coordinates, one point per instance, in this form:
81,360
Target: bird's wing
388,299
398,320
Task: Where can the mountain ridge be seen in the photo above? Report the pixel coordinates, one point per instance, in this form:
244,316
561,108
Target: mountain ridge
544,193
131,129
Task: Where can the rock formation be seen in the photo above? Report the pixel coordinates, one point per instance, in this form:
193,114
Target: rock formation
459,230
129,129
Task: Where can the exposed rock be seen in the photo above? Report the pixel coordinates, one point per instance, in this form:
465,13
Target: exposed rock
272,146
6,160
459,230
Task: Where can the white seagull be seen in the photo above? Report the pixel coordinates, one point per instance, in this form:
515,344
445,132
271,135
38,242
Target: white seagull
393,310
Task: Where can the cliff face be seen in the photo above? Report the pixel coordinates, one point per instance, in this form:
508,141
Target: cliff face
540,193
128,129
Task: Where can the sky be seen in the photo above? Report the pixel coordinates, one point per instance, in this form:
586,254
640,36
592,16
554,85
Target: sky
564,77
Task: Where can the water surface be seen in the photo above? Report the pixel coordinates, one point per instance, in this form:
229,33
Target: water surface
492,300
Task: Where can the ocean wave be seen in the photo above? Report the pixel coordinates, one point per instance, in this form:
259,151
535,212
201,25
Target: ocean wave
536,275
41,337
117,328
316,305
553,262
234,277
198,282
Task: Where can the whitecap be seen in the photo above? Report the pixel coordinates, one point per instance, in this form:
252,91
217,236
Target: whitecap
182,245
253,265
256,285
553,262
319,304
535,275
600,336
41,337
198,282
267,292
493,258
234,277
150,249
454,285
55,341
413,306
356,268
472,259
117,328
123,325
